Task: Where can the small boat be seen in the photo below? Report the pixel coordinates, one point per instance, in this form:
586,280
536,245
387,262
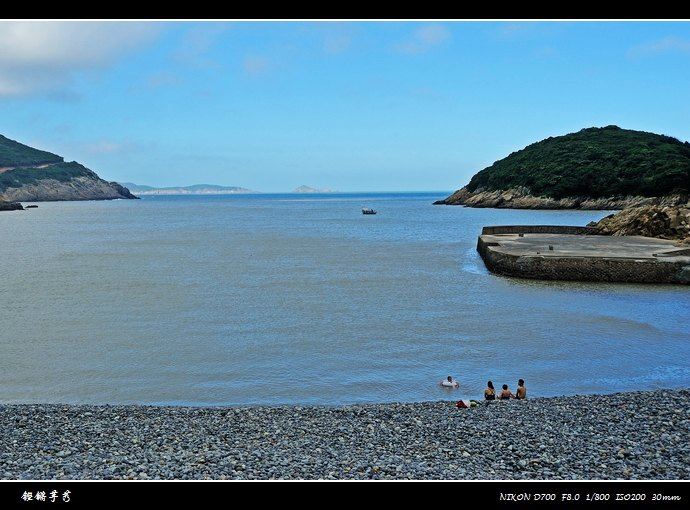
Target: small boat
368,210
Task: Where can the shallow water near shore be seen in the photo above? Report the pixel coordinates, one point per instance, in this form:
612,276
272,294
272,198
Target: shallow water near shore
286,299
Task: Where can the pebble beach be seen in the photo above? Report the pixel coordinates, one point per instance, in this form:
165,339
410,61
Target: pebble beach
635,435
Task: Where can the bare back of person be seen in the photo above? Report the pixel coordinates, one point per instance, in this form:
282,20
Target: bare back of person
521,392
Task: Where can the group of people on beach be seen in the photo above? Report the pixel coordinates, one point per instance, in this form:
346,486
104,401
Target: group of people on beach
506,394
490,391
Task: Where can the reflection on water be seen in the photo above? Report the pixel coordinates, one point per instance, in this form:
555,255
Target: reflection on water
286,298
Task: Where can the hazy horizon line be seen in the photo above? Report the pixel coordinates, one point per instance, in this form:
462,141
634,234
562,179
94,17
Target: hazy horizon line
292,191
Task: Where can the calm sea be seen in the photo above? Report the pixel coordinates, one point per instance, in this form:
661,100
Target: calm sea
276,299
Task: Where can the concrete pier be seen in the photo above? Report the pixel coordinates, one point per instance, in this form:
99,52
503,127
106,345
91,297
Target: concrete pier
546,252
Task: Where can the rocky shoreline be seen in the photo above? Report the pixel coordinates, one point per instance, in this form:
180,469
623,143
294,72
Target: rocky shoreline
520,198
637,435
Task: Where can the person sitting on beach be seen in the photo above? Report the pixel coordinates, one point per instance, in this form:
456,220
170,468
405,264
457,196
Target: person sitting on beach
506,393
449,382
489,392
521,393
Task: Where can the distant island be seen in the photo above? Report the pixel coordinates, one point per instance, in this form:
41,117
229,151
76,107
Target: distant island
28,174
309,189
195,189
595,168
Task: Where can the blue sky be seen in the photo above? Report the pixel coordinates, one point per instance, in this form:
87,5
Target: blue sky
351,106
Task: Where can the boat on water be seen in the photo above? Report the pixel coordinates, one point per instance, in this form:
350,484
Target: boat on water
368,210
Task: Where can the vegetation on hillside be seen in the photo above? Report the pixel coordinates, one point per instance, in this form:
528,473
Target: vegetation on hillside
60,172
594,162
17,154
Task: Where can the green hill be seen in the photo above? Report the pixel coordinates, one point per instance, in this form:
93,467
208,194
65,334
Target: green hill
594,162
28,174
17,154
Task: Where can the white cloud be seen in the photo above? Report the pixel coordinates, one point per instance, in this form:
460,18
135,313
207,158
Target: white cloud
515,30
162,79
331,37
43,56
255,65
424,38
335,43
670,44
105,147
198,42
337,37
546,53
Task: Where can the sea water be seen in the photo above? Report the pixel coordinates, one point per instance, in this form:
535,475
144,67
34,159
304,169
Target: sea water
302,299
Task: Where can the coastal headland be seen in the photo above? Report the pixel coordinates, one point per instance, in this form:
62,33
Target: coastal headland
33,175
640,435
547,252
604,168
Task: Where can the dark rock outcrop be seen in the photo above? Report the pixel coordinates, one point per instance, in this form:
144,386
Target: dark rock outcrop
649,221
122,190
10,206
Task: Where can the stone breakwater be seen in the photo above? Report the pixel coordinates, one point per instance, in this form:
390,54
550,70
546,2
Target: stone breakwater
641,435
554,252
521,198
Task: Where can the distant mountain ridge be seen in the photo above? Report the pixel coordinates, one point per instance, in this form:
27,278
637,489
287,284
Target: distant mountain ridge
309,189
194,189
594,168
29,174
